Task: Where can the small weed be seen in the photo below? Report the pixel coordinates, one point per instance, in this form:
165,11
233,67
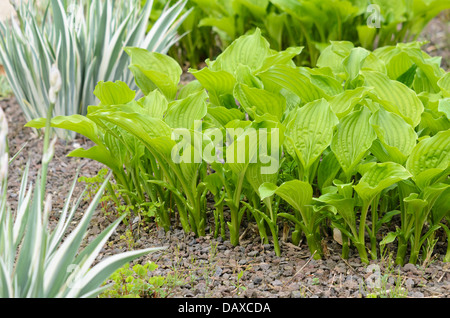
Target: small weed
137,282
379,284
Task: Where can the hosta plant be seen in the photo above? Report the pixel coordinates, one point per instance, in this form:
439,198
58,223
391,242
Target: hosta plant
214,25
351,145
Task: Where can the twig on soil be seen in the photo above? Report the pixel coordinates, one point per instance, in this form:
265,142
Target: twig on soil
288,281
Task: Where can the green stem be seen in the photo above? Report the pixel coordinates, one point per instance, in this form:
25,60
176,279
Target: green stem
401,251
314,246
235,210
362,227
345,247
447,254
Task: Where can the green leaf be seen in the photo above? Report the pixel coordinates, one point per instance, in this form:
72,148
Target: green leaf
114,93
250,50
396,136
444,107
389,238
377,177
310,132
327,171
154,70
282,57
295,192
395,97
444,84
352,140
183,113
222,115
77,123
154,104
344,207
280,77
343,103
353,64
429,159
257,101
219,84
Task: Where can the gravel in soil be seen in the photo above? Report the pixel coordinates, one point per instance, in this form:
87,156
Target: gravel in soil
212,267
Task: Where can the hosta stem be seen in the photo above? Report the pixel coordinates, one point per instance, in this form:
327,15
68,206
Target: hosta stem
447,255
360,245
401,251
314,246
345,247
373,245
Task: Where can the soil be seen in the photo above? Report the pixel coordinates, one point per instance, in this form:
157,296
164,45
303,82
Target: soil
208,267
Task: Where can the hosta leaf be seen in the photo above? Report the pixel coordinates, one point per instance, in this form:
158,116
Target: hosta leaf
154,70
217,83
444,84
333,56
244,75
259,101
135,123
433,122
395,97
182,113
328,84
353,64
343,103
250,50
255,176
441,207
310,132
257,7
353,139
295,192
100,154
77,123
429,159
290,78
397,136
225,24
327,171
345,207
223,115
114,93
154,104
191,87
282,57
444,107
377,177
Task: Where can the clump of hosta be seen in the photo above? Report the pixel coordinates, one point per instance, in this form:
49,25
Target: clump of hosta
356,142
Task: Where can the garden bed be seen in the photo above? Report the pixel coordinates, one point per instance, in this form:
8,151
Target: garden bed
210,267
